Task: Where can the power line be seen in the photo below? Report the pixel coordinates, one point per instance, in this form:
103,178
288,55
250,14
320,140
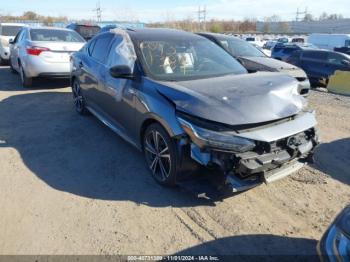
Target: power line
202,17
298,13
98,11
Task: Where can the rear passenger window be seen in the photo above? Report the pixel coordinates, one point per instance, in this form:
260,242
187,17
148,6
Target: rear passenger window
289,50
315,55
90,47
101,47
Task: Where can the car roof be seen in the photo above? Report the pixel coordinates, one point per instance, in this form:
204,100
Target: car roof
160,33
83,24
48,28
219,36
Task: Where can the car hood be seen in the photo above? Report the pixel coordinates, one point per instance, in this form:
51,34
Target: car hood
273,65
236,99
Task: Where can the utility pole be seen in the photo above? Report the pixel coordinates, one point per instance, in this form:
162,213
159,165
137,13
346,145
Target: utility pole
98,11
299,13
202,17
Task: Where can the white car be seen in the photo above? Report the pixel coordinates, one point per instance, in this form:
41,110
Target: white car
8,31
43,52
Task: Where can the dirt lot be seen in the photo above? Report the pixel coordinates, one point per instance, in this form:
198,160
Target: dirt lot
69,185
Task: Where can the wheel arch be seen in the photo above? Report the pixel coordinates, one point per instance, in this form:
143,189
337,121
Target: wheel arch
172,131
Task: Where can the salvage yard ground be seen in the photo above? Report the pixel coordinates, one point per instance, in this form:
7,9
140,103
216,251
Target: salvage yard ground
69,185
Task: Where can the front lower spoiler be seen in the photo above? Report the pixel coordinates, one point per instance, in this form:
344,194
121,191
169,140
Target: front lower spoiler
238,185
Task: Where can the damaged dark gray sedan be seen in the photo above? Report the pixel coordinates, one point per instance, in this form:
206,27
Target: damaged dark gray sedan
185,102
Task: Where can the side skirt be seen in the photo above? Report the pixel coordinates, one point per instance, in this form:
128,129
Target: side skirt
114,128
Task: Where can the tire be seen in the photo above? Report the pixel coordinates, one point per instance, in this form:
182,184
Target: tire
79,101
26,81
13,71
161,155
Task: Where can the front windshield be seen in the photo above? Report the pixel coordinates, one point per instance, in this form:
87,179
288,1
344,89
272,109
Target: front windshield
239,48
10,30
185,59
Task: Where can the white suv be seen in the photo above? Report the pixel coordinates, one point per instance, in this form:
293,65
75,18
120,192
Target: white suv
7,31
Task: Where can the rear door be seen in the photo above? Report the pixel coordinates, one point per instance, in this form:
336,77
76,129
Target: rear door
94,68
313,63
14,49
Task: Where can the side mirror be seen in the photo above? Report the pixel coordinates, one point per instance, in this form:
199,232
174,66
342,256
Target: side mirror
121,71
11,41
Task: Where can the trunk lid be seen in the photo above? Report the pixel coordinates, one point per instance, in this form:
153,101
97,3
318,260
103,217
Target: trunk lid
59,52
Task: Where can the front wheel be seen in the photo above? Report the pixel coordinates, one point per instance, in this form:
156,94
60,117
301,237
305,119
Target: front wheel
161,155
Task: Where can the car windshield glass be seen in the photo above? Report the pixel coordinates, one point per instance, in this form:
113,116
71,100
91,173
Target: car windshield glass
347,43
87,31
177,60
55,35
10,30
241,48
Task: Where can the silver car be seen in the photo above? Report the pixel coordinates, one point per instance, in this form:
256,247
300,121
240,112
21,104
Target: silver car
43,52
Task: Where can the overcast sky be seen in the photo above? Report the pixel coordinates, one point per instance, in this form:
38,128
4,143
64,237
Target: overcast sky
157,10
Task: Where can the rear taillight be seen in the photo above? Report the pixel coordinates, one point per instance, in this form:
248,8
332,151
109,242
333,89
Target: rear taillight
36,50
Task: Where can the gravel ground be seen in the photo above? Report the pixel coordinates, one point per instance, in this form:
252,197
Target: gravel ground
69,185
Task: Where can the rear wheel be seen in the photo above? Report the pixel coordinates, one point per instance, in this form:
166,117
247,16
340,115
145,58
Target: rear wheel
161,155
26,81
13,71
79,101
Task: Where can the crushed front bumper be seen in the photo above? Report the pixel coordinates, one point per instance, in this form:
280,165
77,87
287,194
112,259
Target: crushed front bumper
237,184
267,163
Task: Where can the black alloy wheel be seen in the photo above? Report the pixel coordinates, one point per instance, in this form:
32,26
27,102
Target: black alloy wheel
79,101
160,154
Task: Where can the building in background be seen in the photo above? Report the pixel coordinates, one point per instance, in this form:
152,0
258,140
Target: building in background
340,26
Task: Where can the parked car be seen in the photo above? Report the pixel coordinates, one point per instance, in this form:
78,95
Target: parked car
282,51
330,41
183,101
43,52
335,243
87,31
345,50
319,65
269,44
255,60
283,40
254,40
298,40
8,31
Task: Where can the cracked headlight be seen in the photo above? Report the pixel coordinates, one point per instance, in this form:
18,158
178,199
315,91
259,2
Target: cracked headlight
335,244
220,140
